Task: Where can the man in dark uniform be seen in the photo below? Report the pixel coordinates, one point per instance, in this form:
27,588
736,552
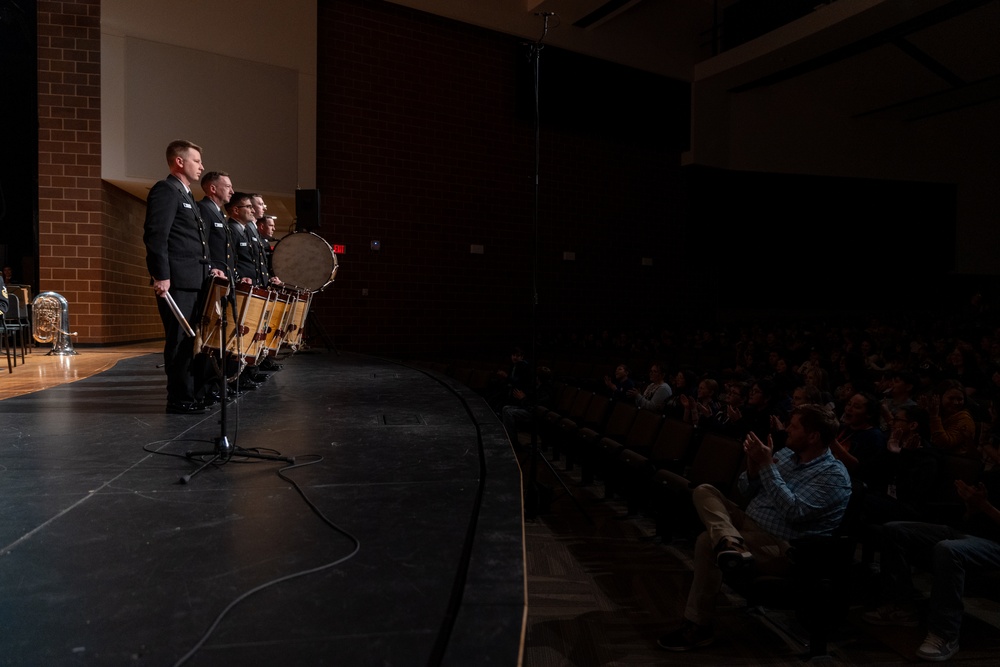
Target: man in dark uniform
248,256
265,230
177,258
249,263
218,189
259,209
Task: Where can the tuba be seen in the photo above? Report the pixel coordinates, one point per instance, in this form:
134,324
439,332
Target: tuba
51,321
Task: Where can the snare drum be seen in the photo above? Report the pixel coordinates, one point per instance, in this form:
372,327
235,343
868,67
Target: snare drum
208,334
304,261
253,307
297,321
278,323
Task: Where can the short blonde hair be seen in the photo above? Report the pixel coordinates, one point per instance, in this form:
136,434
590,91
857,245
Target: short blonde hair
179,148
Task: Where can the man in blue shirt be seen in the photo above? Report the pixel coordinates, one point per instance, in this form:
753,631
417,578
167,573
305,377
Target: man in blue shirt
802,490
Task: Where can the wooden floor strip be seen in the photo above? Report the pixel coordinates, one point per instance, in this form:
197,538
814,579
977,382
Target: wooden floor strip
40,370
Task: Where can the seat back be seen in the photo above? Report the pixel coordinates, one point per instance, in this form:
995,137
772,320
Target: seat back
718,462
478,379
620,421
564,401
597,412
579,406
643,432
672,442
24,292
546,406
11,317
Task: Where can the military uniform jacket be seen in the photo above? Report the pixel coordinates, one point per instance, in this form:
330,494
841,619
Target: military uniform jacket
247,256
261,247
176,241
220,239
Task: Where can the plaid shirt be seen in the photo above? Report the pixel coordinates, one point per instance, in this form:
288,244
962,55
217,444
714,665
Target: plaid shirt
792,499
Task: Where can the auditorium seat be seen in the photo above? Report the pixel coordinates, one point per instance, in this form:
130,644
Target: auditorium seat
594,419
584,445
718,460
639,439
561,424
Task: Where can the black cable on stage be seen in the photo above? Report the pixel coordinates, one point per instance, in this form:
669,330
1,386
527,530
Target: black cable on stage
461,575
357,547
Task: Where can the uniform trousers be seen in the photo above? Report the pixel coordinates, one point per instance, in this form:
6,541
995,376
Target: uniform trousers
178,349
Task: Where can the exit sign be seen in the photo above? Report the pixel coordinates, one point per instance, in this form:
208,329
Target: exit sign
340,249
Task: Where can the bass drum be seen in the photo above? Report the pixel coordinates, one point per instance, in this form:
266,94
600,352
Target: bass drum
304,261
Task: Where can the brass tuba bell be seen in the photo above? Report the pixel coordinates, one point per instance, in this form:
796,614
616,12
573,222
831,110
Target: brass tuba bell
51,321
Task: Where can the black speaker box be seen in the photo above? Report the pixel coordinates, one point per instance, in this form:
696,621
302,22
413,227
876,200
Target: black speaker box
307,210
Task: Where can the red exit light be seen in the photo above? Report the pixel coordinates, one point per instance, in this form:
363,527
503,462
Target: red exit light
340,249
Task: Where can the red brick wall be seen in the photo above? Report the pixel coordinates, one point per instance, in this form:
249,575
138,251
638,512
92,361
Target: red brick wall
90,235
421,146
130,309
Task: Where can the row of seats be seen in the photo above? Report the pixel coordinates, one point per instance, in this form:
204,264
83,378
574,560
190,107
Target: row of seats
648,460
16,323
652,462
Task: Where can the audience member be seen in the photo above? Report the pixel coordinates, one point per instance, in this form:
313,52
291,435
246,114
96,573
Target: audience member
704,406
952,426
621,384
684,385
519,412
961,365
512,381
806,394
951,554
755,416
859,444
656,393
801,490
898,394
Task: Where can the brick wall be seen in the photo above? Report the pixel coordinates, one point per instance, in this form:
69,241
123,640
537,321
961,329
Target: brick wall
423,144
129,307
90,234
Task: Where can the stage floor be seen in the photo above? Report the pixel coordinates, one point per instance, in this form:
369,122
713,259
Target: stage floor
404,547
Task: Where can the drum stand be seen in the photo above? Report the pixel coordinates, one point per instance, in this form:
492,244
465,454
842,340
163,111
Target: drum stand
330,345
225,450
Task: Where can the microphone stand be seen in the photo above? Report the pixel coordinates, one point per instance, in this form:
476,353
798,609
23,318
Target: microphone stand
533,489
224,450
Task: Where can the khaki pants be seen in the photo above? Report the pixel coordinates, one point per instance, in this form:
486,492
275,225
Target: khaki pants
723,518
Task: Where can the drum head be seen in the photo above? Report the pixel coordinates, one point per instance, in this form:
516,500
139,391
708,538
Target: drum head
304,261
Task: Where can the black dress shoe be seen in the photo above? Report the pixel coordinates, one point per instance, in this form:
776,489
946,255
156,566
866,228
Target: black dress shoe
259,378
185,408
211,398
